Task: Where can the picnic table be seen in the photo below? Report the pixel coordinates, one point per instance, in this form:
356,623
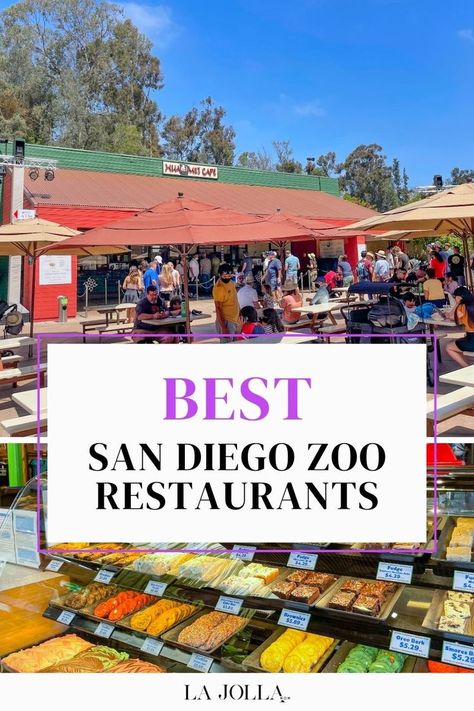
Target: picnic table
318,309
173,320
11,344
28,400
113,313
463,377
433,324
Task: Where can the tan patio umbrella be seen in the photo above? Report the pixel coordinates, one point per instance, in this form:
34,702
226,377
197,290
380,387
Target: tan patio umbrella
32,238
449,211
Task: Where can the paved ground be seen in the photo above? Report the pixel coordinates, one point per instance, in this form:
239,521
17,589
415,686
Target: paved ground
460,426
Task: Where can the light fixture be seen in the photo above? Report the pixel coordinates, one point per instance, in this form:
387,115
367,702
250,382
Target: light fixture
33,173
19,150
438,181
49,174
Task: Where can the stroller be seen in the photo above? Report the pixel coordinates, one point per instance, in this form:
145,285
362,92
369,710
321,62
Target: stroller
12,322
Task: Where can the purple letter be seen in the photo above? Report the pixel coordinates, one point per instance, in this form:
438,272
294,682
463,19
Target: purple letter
257,400
293,395
171,398
211,398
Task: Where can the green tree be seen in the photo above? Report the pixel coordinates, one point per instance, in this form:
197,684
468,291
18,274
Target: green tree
200,135
79,70
397,180
460,176
366,176
405,193
261,160
326,164
286,163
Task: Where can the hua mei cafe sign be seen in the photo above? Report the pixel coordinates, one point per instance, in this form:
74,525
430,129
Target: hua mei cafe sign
190,170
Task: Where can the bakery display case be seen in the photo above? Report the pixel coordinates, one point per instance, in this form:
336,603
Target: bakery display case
223,606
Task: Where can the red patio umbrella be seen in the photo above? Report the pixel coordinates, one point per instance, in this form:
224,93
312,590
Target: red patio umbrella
187,223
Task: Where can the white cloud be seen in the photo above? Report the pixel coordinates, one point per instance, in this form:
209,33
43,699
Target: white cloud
154,21
467,35
309,108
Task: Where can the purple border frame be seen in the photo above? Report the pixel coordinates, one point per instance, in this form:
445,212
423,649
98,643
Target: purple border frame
244,548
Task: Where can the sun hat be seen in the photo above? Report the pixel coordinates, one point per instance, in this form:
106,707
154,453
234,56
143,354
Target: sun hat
370,254
380,253
249,279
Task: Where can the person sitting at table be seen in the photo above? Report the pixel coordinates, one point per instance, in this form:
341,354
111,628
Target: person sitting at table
400,277
433,289
463,315
292,300
247,295
150,307
250,324
332,280
450,283
271,321
268,300
322,294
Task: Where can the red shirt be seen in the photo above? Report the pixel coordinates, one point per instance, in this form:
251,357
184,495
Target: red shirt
439,267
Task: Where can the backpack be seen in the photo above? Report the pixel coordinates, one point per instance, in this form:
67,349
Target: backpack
361,270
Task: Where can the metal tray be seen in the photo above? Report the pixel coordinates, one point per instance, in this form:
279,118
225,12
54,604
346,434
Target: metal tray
253,660
445,537
434,613
384,613
89,611
297,604
332,666
125,622
78,611
172,635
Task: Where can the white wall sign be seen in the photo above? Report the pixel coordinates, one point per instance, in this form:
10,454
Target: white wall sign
331,248
237,449
55,269
190,170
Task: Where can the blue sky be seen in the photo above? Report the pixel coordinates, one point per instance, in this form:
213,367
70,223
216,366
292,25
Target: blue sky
325,74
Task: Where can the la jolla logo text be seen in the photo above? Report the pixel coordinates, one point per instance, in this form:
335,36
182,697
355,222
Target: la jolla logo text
235,692
234,448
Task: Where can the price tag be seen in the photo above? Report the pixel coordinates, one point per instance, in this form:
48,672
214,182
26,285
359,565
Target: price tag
200,663
463,581
411,644
152,646
104,630
297,620
66,617
303,561
394,571
54,565
232,605
243,552
104,576
460,654
155,588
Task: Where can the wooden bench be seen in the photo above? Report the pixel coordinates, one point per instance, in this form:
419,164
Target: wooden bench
302,323
91,325
116,328
11,361
25,425
12,376
326,332
460,401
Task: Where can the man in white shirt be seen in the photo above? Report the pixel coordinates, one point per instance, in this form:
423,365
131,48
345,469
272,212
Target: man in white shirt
382,267
194,274
205,267
247,295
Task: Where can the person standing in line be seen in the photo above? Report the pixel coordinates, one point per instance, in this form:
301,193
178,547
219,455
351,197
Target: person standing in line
215,263
166,283
402,259
205,267
226,303
437,262
194,272
176,279
390,261
158,264
273,274
381,268
345,270
456,263
247,265
133,287
292,266
150,277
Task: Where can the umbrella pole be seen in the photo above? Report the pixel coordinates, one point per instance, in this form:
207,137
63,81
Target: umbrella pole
32,305
186,289
465,242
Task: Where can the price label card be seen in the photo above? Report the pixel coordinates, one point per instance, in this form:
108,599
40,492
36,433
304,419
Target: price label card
463,581
232,605
411,644
54,565
104,576
394,571
155,588
104,630
303,561
297,620
66,617
152,646
243,552
199,662
460,654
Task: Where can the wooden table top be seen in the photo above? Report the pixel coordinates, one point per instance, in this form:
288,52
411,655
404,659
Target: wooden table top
174,320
